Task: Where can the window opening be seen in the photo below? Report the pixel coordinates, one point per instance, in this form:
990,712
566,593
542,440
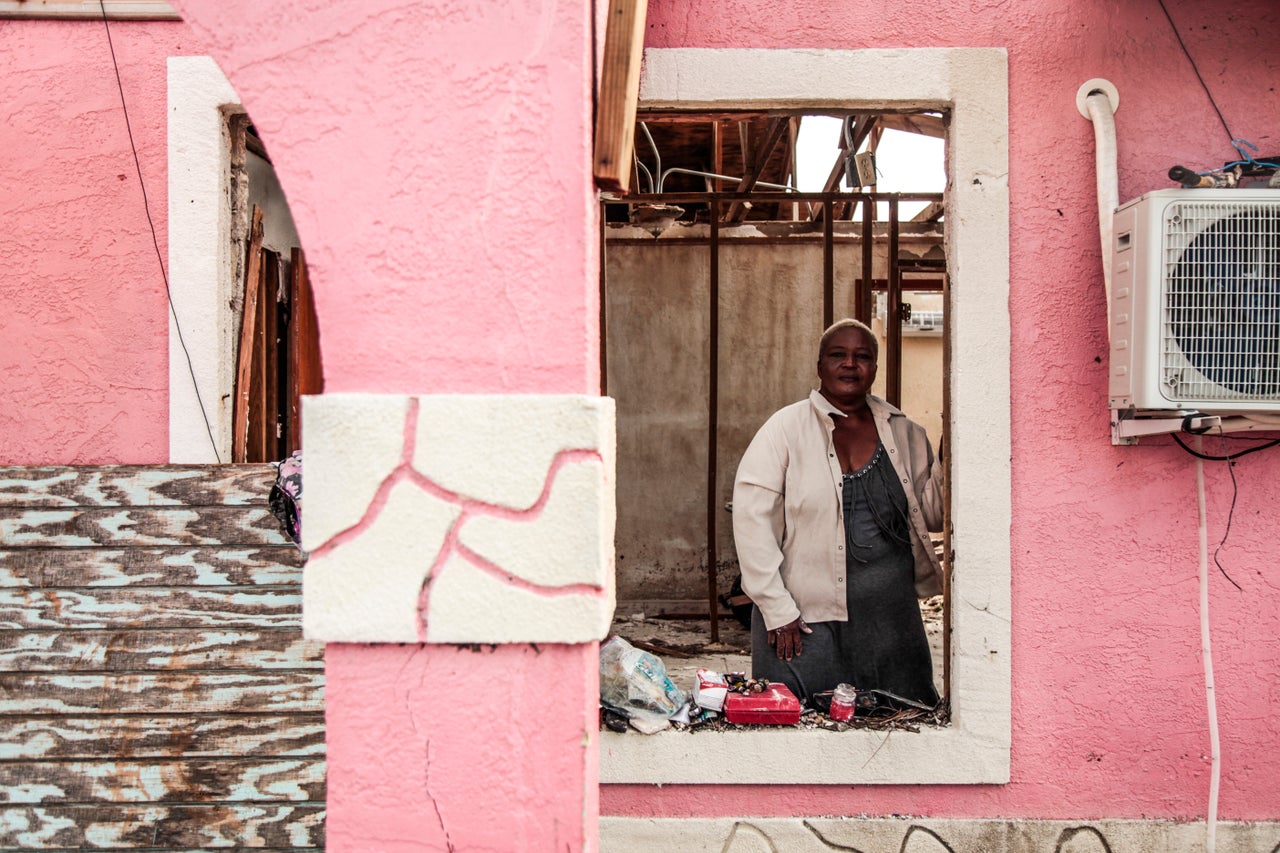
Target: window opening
749,199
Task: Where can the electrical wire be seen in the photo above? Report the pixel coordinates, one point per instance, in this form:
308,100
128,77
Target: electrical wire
1227,457
155,240
1231,513
1203,85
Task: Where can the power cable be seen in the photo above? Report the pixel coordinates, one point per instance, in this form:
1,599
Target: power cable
1187,54
155,240
1229,458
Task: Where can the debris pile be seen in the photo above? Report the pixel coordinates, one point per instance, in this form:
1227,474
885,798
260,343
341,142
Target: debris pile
636,692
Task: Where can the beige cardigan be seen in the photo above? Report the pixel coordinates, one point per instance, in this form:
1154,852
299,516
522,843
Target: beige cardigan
788,523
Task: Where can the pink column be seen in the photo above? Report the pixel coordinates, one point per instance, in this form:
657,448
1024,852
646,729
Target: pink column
437,161
436,747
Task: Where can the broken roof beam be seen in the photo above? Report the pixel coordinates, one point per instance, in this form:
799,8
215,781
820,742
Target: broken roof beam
862,127
921,123
759,159
932,212
619,90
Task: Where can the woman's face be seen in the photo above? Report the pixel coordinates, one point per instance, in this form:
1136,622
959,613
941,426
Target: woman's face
847,365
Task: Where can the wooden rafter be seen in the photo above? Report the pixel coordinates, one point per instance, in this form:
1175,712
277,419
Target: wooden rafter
932,212
757,159
619,89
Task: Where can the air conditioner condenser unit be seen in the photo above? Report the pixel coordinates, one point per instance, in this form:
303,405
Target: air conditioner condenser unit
1195,301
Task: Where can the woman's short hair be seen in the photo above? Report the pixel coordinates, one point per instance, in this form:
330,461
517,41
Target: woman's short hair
849,323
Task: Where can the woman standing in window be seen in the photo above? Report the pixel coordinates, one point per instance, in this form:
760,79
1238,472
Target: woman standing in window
832,508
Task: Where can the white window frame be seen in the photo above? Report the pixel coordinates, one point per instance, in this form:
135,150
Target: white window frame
971,85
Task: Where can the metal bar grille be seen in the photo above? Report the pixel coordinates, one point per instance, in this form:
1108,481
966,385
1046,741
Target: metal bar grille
1221,298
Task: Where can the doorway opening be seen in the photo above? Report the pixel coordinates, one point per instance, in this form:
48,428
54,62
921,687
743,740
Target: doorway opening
278,347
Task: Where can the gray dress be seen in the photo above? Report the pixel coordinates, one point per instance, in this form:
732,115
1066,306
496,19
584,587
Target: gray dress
883,644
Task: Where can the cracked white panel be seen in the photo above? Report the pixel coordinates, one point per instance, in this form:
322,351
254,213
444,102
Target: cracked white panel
498,448
563,544
468,605
353,442
366,589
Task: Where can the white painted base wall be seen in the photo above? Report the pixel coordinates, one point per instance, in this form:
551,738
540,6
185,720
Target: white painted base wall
910,835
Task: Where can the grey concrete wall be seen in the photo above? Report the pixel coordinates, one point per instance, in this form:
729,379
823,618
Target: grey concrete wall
657,336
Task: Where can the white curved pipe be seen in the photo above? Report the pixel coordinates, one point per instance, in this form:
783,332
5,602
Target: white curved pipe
1206,657
1104,138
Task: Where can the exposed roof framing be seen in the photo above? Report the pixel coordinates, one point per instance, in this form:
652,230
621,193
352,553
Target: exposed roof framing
751,151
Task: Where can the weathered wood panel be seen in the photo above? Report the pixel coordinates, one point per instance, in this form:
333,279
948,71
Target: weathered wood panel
134,526
118,650
162,693
126,827
136,485
30,738
186,780
161,566
155,689
150,607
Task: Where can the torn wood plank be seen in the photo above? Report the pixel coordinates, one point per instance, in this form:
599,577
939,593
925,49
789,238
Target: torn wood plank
161,693
238,780
264,436
306,371
248,333
172,650
150,608
60,738
210,565
136,485
70,528
281,828
619,90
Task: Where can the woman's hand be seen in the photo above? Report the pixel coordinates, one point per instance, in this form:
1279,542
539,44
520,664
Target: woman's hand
786,640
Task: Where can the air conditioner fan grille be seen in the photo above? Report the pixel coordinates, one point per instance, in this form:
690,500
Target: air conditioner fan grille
1222,301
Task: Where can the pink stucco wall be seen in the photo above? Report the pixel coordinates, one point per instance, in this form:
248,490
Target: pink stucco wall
83,361
437,162
436,159
1108,702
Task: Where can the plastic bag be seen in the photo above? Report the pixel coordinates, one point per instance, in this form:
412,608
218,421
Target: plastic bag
635,683
285,499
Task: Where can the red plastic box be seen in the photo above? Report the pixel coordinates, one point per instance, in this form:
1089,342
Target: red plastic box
776,706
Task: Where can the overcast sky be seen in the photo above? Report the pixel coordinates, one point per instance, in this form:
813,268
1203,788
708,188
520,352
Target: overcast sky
906,162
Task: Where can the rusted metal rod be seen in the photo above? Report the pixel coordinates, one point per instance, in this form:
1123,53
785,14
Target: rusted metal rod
893,312
713,391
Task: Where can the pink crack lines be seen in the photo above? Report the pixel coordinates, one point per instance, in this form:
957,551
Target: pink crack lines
470,507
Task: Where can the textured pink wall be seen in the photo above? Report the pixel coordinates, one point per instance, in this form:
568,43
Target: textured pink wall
1108,703
436,158
437,162
83,362
448,748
